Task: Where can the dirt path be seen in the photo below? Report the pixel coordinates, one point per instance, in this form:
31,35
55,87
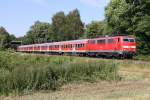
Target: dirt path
98,91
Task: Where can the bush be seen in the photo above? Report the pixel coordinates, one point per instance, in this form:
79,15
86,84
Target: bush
21,73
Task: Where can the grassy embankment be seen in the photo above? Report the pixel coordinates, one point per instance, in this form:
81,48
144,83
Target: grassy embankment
142,57
27,73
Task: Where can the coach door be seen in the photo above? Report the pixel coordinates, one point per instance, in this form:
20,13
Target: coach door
111,44
74,47
117,44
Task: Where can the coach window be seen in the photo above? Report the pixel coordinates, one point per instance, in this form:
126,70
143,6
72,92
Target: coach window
43,47
92,41
125,40
76,45
101,41
83,45
69,45
79,45
110,41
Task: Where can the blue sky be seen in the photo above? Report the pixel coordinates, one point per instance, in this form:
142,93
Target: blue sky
18,15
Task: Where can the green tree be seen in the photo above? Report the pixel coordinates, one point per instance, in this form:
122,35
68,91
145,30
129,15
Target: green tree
58,26
12,37
67,27
4,38
95,29
117,16
38,33
74,26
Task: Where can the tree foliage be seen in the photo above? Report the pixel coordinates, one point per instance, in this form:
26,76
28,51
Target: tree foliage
4,38
58,26
97,29
63,27
38,33
67,27
74,26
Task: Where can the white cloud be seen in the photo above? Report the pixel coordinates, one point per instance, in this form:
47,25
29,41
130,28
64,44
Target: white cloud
95,3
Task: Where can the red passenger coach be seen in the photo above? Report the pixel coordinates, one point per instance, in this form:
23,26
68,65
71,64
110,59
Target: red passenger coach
117,46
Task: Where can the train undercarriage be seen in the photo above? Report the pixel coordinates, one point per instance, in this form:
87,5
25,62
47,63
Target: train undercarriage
118,55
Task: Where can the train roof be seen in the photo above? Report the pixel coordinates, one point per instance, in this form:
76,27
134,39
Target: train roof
75,41
55,43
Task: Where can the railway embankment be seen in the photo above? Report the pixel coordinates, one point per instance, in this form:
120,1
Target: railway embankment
22,74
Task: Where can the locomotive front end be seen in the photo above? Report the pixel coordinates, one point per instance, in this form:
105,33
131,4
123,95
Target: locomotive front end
129,46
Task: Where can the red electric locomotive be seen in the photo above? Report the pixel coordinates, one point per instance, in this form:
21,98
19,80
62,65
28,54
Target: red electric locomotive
116,46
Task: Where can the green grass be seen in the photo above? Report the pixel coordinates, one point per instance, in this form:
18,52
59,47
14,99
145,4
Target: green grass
21,73
143,57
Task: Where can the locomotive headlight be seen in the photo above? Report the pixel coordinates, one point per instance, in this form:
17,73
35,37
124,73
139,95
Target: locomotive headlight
133,47
126,47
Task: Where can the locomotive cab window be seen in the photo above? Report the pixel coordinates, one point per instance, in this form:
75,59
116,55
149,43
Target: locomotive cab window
132,40
128,40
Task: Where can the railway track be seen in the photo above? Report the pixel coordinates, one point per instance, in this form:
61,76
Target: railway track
134,61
